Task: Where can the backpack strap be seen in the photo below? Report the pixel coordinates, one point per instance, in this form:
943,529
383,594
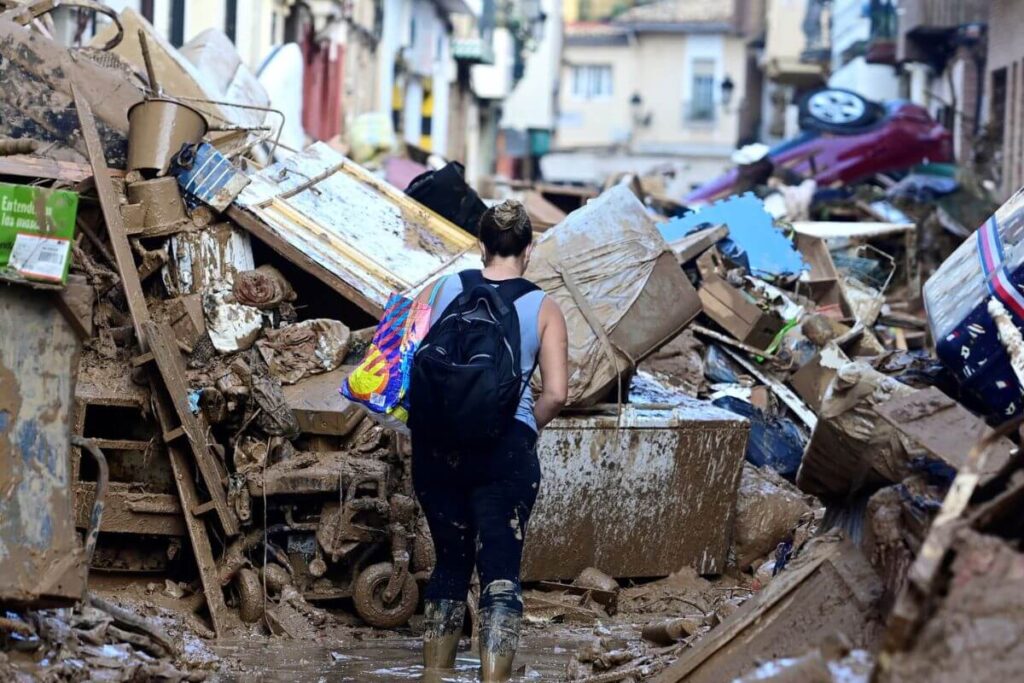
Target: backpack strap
471,279
508,291
513,290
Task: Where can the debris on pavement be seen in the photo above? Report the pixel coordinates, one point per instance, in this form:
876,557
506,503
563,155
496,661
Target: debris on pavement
782,458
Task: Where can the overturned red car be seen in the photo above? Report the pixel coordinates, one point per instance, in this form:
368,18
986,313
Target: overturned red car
848,139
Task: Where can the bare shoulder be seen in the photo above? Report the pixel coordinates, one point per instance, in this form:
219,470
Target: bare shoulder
551,313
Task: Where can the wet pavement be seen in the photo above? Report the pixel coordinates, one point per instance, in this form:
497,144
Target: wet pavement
542,657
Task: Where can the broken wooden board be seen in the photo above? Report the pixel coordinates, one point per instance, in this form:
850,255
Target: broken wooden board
355,233
829,589
128,511
319,407
37,73
922,577
693,245
111,206
973,632
784,393
24,166
945,429
76,302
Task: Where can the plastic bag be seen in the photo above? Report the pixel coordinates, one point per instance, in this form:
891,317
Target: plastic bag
381,381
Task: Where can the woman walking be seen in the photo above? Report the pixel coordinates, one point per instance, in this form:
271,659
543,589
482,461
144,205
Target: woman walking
475,424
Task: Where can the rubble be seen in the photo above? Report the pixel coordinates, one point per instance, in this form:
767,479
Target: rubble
616,316
768,509
715,355
830,589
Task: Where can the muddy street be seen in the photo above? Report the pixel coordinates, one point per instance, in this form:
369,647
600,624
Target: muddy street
618,341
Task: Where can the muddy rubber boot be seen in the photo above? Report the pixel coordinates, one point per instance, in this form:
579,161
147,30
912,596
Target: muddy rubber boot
499,634
442,622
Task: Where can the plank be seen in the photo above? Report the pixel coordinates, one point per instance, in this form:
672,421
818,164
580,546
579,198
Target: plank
784,393
945,429
197,533
690,247
111,207
121,444
172,370
127,511
909,607
751,612
25,166
729,341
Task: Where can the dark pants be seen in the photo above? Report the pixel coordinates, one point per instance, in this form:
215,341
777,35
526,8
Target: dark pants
478,505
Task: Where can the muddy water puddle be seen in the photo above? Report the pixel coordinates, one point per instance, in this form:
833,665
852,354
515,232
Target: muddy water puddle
395,659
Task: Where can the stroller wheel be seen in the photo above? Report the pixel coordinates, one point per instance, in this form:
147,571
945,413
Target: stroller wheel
369,597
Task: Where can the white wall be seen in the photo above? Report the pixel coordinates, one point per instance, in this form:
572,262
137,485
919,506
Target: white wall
494,81
851,24
391,40
874,81
532,102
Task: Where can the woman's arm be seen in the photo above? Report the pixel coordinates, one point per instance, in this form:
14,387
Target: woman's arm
554,363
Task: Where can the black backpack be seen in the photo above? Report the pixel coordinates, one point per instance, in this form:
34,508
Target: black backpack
466,379
446,192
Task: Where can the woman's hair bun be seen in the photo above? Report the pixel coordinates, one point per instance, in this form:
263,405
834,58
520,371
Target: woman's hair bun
511,215
505,229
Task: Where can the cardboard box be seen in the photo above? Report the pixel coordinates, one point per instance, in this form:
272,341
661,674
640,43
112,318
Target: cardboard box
821,283
37,228
811,381
733,308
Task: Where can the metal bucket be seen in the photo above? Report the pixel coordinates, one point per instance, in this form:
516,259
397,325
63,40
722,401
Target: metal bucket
157,128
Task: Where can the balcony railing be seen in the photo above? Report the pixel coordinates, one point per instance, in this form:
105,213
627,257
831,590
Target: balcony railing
930,15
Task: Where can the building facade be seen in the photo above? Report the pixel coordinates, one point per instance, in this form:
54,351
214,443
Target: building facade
852,67
672,80
796,58
1005,85
942,54
392,58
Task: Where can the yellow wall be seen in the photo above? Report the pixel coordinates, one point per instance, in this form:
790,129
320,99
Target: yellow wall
591,10
657,66
785,39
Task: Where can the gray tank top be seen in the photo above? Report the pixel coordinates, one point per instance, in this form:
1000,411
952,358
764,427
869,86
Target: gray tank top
528,310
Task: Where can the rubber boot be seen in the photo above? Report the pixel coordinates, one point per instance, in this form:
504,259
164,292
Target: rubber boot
499,632
442,621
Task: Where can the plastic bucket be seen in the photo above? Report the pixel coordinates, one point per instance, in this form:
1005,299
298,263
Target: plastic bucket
157,128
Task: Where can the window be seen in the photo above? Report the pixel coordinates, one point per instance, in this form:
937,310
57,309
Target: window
592,81
702,90
231,19
177,23
998,116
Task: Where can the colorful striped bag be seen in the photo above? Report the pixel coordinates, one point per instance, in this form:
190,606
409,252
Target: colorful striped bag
381,381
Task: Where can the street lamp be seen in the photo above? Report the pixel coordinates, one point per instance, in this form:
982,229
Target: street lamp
727,89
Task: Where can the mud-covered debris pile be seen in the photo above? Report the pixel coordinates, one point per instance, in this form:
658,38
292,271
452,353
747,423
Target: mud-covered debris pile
754,395
90,643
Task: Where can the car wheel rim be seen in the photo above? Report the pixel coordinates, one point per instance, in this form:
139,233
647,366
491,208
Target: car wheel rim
833,106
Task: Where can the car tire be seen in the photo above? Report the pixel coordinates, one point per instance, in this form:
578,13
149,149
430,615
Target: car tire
836,110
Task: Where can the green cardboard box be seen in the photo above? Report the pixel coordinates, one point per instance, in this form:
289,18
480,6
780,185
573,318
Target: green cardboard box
37,229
